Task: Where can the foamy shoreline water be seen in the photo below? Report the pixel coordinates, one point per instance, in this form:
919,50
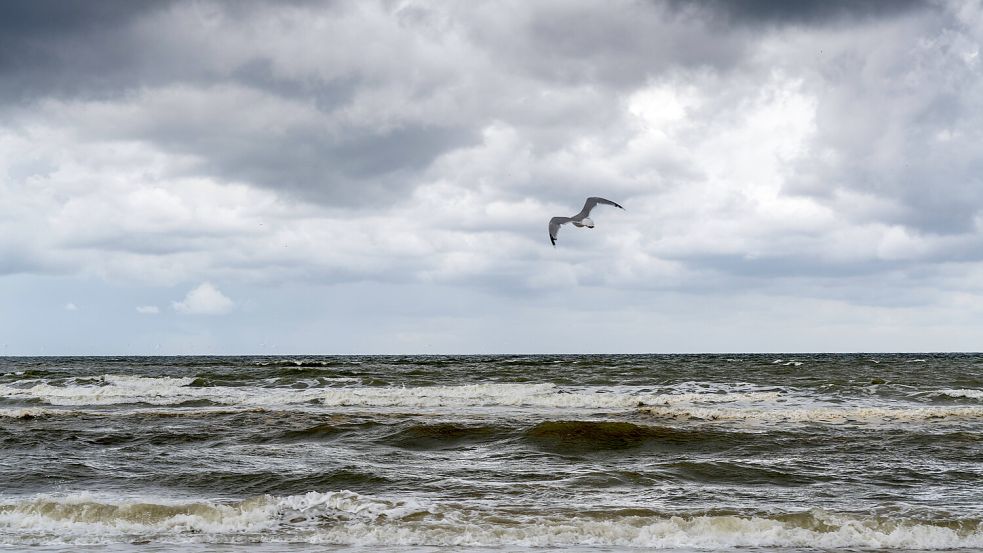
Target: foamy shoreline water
347,518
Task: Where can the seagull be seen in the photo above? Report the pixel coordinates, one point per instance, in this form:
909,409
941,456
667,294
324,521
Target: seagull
579,220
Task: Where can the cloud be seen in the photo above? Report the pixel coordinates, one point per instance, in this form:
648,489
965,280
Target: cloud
149,309
71,307
206,299
336,130
812,148
907,151
805,12
229,98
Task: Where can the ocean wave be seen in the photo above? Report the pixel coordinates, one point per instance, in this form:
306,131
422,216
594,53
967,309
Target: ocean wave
960,393
441,435
119,389
682,402
817,414
567,435
26,413
305,362
164,412
347,518
106,390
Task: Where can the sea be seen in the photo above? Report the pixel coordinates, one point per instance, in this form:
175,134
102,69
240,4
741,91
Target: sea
584,453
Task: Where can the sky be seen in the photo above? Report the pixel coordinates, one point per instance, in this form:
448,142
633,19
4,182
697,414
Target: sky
346,177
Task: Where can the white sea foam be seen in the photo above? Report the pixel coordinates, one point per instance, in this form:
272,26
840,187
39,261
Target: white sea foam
966,393
164,411
24,413
687,401
162,391
109,390
346,518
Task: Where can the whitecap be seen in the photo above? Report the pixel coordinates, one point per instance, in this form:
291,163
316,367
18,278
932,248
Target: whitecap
961,393
347,518
164,391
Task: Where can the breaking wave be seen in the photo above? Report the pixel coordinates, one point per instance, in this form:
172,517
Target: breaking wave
39,399
346,518
960,393
118,389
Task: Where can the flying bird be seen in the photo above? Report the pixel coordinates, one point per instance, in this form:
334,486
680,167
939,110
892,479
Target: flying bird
579,220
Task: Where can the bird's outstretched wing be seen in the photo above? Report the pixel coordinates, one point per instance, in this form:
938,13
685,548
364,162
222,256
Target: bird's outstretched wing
555,223
590,203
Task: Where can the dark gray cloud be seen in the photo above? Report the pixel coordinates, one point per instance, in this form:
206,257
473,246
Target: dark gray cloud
51,19
802,12
332,164
620,46
105,48
69,48
362,168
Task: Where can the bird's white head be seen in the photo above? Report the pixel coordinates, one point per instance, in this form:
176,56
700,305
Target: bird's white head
587,222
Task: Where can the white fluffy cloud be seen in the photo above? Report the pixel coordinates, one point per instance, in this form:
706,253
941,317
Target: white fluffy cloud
205,299
148,309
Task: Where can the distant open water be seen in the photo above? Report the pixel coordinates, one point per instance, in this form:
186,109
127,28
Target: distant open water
437,453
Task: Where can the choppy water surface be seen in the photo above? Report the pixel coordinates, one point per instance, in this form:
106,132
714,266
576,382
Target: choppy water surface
605,453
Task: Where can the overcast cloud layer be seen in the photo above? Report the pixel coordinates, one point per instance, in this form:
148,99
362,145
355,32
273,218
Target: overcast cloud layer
335,177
